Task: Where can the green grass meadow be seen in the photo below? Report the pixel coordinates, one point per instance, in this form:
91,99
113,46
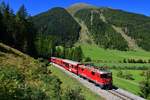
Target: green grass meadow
97,53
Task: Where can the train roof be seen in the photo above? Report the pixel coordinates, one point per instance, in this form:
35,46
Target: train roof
95,69
71,62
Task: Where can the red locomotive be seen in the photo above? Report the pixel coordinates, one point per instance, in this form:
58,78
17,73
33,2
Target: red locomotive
99,77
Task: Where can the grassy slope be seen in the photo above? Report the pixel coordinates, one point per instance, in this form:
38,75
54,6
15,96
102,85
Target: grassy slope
69,82
130,85
97,53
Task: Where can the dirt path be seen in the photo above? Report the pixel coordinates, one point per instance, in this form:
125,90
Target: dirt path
85,36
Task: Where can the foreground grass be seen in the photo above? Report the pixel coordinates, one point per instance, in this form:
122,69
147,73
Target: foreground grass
129,85
97,53
70,82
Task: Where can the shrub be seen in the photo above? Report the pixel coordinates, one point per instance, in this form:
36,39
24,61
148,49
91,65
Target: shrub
120,74
87,59
124,60
73,94
145,86
125,75
128,75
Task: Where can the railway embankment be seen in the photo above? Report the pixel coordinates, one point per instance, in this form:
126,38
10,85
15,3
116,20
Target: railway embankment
114,94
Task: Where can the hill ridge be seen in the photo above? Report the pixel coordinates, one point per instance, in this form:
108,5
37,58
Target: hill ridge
78,6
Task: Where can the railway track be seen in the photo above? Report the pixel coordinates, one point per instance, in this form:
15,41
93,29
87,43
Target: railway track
120,95
113,94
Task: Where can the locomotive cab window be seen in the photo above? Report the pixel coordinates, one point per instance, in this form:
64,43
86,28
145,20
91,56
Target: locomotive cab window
93,73
106,75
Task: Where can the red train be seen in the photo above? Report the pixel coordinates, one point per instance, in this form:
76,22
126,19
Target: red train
99,77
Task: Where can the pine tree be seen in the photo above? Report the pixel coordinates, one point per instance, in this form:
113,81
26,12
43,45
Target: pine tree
26,31
1,27
7,24
22,12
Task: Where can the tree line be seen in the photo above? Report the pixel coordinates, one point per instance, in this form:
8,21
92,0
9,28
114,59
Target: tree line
135,61
17,30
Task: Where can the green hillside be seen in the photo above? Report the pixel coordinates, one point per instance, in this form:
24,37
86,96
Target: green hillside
101,21
135,25
109,28
59,24
24,78
104,35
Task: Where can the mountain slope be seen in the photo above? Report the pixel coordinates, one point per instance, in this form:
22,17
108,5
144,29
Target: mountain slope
58,23
135,26
85,36
105,27
101,21
104,35
131,42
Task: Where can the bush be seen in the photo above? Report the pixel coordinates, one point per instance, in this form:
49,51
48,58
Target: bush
87,59
125,75
124,60
73,94
144,88
128,76
32,84
149,61
120,74
145,85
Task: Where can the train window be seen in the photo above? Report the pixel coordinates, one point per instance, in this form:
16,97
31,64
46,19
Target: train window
66,64
93,73
106,75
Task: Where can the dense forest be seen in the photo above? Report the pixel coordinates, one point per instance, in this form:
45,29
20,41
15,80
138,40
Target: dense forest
16,30
104,35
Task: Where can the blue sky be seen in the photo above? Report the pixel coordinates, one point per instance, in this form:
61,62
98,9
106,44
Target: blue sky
37,6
